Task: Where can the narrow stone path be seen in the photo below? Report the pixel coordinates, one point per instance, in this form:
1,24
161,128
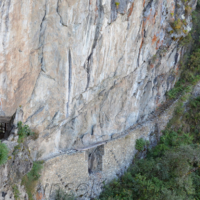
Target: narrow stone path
152,117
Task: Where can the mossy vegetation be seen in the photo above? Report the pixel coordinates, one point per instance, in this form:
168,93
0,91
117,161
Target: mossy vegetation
30,180
141,144
16,192
3,153
24,131
188,10
16,150
117,4
171,170
179,25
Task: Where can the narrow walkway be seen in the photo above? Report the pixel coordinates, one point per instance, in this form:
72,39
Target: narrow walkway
152,117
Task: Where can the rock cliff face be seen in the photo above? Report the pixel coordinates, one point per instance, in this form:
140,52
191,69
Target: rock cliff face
84,71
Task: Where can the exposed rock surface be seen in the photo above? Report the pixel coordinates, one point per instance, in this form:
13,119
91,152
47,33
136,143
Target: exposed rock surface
84,73
19,163
86,70
77,173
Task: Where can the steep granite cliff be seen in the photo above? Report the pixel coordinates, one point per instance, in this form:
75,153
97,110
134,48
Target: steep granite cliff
84,72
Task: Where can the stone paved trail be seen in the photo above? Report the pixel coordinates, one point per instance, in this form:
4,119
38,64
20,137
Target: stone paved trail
152,117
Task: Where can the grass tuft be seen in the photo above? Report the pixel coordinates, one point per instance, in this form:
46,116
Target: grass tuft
30,180
3,153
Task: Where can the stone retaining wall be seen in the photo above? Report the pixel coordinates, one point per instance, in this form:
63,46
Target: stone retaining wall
73,172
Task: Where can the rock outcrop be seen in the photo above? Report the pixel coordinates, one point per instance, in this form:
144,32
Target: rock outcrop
19,163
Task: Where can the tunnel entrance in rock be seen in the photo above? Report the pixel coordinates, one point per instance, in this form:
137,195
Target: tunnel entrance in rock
5,127
95,159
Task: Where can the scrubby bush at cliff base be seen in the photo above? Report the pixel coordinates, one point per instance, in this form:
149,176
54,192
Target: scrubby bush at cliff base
16,192
24,131
30,180
3,153
171,170
141,144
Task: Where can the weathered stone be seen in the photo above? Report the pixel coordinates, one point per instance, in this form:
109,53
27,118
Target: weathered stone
18,164
84,173
80,71
88,76
196,90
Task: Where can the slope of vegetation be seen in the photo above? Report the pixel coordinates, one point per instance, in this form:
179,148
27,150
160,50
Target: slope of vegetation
30,179
3,153
171,170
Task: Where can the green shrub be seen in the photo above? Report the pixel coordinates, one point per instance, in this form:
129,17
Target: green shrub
169,170
141,144
3,153
30,180
186,40
117,4
16,192
188,9
24,131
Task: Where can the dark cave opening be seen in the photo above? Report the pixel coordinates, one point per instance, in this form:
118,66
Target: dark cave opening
5,127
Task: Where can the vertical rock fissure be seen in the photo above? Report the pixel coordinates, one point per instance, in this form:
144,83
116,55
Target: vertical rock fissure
175,10
69,80
176,58
87,65
42,39
143,32
61,19
142,35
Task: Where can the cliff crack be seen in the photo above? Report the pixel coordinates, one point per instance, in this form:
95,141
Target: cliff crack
88,62
42,39
69,80
143,32
40,109
61,19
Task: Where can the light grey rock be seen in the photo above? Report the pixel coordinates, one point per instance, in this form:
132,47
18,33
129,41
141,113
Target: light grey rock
83,71
196,90
11,137
18,164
